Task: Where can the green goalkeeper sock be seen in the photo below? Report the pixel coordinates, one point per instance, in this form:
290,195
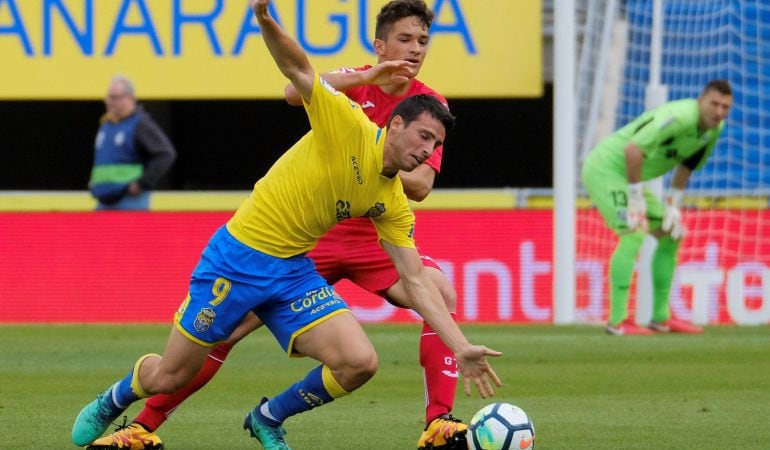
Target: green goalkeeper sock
621,271
663,267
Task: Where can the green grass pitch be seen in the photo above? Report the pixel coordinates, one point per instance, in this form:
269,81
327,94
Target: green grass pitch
582,388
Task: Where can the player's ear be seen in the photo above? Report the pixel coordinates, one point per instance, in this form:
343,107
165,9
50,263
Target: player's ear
396,123
379,47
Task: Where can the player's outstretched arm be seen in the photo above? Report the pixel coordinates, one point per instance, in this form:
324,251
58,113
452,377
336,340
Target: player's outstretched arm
388,72
424,298
288,55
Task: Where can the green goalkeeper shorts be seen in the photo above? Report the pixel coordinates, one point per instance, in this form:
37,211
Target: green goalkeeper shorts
609,192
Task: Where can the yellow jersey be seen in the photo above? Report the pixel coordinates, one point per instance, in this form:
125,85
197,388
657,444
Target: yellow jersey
331,174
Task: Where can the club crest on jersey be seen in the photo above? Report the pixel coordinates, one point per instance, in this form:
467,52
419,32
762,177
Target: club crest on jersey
120,138
343,210
204,319
329,87
376,210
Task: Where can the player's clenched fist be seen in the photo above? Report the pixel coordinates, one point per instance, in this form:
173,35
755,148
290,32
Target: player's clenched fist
259,6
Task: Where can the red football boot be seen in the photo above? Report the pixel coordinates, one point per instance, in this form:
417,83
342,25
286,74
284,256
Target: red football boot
627,327
675,326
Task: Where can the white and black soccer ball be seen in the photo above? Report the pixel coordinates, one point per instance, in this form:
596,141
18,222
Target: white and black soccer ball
501,426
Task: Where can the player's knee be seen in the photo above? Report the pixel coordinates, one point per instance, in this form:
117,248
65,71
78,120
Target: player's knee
359,368
668,244
632,241
366,365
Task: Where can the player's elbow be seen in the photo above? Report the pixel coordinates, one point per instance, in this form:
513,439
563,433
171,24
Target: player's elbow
302,79
417,191
291,96
449,295
418,195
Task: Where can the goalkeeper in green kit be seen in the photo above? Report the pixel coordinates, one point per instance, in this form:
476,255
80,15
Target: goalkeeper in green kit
677,135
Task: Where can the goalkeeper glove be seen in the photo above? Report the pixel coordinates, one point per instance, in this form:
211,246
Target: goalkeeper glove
672,217
636,212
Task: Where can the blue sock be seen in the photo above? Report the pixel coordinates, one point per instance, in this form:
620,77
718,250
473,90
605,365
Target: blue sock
128,390
306,394
122,394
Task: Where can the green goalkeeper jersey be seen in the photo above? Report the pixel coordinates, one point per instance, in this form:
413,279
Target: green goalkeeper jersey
667,135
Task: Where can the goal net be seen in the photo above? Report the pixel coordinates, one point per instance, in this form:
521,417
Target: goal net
723,275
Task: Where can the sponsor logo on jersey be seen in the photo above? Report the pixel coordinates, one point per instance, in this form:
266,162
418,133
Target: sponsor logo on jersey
204,319
367,104
316,300
344,70
120,138
375,211
357,170
329,87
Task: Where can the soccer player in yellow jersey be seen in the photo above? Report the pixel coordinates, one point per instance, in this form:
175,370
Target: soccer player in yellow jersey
344,167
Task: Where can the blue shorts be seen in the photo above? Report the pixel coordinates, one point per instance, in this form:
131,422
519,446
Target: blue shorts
232,279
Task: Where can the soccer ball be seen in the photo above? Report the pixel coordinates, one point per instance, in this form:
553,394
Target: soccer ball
501,426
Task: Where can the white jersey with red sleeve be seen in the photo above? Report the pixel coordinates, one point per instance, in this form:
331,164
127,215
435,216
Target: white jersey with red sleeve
378,106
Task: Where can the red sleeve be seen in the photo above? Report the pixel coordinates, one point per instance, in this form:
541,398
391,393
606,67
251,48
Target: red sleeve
435,159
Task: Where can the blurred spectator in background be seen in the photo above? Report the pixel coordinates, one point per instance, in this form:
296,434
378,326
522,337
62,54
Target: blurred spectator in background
131,152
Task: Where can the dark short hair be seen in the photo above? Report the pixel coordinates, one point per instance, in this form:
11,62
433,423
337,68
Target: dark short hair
396,10
412,107
721,86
